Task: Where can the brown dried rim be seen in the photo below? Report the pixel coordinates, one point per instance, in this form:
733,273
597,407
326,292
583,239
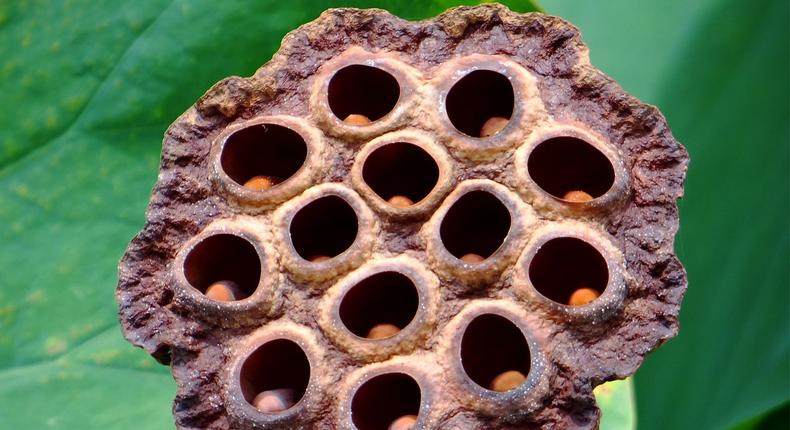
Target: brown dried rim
280,355
407,163
564,256
366,67
296,158
479,217
391,390
227,250
486,338
470,91
398,291
327,220
559,158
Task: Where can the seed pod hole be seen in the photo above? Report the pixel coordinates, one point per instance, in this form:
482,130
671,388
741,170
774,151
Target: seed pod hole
379,306
363,91
566,267
475,226
224,258
275,377
263,155
477,98
400,170
493,349
385,399
568,168
323,228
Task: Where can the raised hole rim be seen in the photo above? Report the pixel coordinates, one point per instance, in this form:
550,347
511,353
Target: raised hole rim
325,226
551,261
563,163
401,168
383,398
391,296
464,236
478,96
278,363
357,89
223,257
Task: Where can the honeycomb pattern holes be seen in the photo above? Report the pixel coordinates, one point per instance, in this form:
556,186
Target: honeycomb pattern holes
277,364
223,257
383,399
401,169
492,345
383,298
263,150
325,227
362,90
563,265
476,98
562,164
477,223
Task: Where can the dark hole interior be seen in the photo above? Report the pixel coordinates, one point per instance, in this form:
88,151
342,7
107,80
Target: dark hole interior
383,399
277,364
563,265
476,98
326,226
264,149
386,297
493,345
401,169
223,257
362,90
477,223
565,164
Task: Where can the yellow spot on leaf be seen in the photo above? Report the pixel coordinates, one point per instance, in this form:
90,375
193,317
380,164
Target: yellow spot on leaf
55,346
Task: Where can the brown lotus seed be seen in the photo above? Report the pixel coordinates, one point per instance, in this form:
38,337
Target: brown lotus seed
582,296
577,196
400,201
262,182
405,422
472,258
273,401
357,119
383,331
493,125
223,291
507,381
319,258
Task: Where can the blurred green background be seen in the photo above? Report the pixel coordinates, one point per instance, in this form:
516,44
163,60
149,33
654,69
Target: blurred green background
87,89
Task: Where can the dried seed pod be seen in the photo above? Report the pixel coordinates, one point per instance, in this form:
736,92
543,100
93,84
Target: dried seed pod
452,223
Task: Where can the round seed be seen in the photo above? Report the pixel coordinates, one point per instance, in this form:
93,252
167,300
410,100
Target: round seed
262,182
577,196
507,381
472,258
357,119
582,296
405,422
400,201
223,291
272,401
493,125
319,258
382,331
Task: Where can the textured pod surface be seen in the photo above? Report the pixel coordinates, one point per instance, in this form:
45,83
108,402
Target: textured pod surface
473,279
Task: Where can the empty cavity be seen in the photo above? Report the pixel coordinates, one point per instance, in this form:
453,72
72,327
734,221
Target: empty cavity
383,399
491,346
476,224
278,369
270,151
562,165
377,302
565,265
323,228
400,169
223,258
477,98
362,90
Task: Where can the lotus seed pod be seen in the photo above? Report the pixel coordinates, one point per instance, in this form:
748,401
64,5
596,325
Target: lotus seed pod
355,310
